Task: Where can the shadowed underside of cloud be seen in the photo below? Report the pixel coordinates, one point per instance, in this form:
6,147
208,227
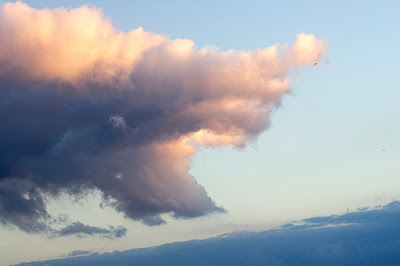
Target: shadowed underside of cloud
369,237
84,106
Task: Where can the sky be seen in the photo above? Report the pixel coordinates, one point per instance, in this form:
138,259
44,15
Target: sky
331,144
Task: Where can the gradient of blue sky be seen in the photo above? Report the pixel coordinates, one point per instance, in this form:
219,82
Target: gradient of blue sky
324,151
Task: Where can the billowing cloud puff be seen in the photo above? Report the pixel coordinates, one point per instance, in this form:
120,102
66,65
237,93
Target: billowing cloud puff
84,106
307,49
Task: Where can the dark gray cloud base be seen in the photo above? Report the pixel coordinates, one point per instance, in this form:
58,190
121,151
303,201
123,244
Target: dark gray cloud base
91,108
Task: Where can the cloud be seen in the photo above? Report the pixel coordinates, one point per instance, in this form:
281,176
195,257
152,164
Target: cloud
387,215
117,121
307,49
82,230
92,108
364,237
21,204
75,253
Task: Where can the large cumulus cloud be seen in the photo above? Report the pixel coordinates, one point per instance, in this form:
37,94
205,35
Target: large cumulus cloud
84,106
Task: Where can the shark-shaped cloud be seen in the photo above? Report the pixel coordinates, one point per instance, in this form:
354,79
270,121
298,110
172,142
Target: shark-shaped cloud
84,106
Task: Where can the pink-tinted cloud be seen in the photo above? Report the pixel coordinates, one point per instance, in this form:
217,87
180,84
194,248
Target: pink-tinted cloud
122,112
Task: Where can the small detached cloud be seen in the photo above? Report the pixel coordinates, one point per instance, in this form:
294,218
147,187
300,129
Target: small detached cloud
82,230
76,253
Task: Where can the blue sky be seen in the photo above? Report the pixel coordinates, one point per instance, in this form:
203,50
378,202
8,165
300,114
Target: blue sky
332,146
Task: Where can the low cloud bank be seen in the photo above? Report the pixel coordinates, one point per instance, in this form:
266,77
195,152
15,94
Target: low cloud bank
365,237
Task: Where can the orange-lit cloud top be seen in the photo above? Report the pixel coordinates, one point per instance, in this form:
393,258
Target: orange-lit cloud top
68,44
122,112
76,44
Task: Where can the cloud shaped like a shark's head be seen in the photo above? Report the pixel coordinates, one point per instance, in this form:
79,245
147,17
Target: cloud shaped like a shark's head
84,106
